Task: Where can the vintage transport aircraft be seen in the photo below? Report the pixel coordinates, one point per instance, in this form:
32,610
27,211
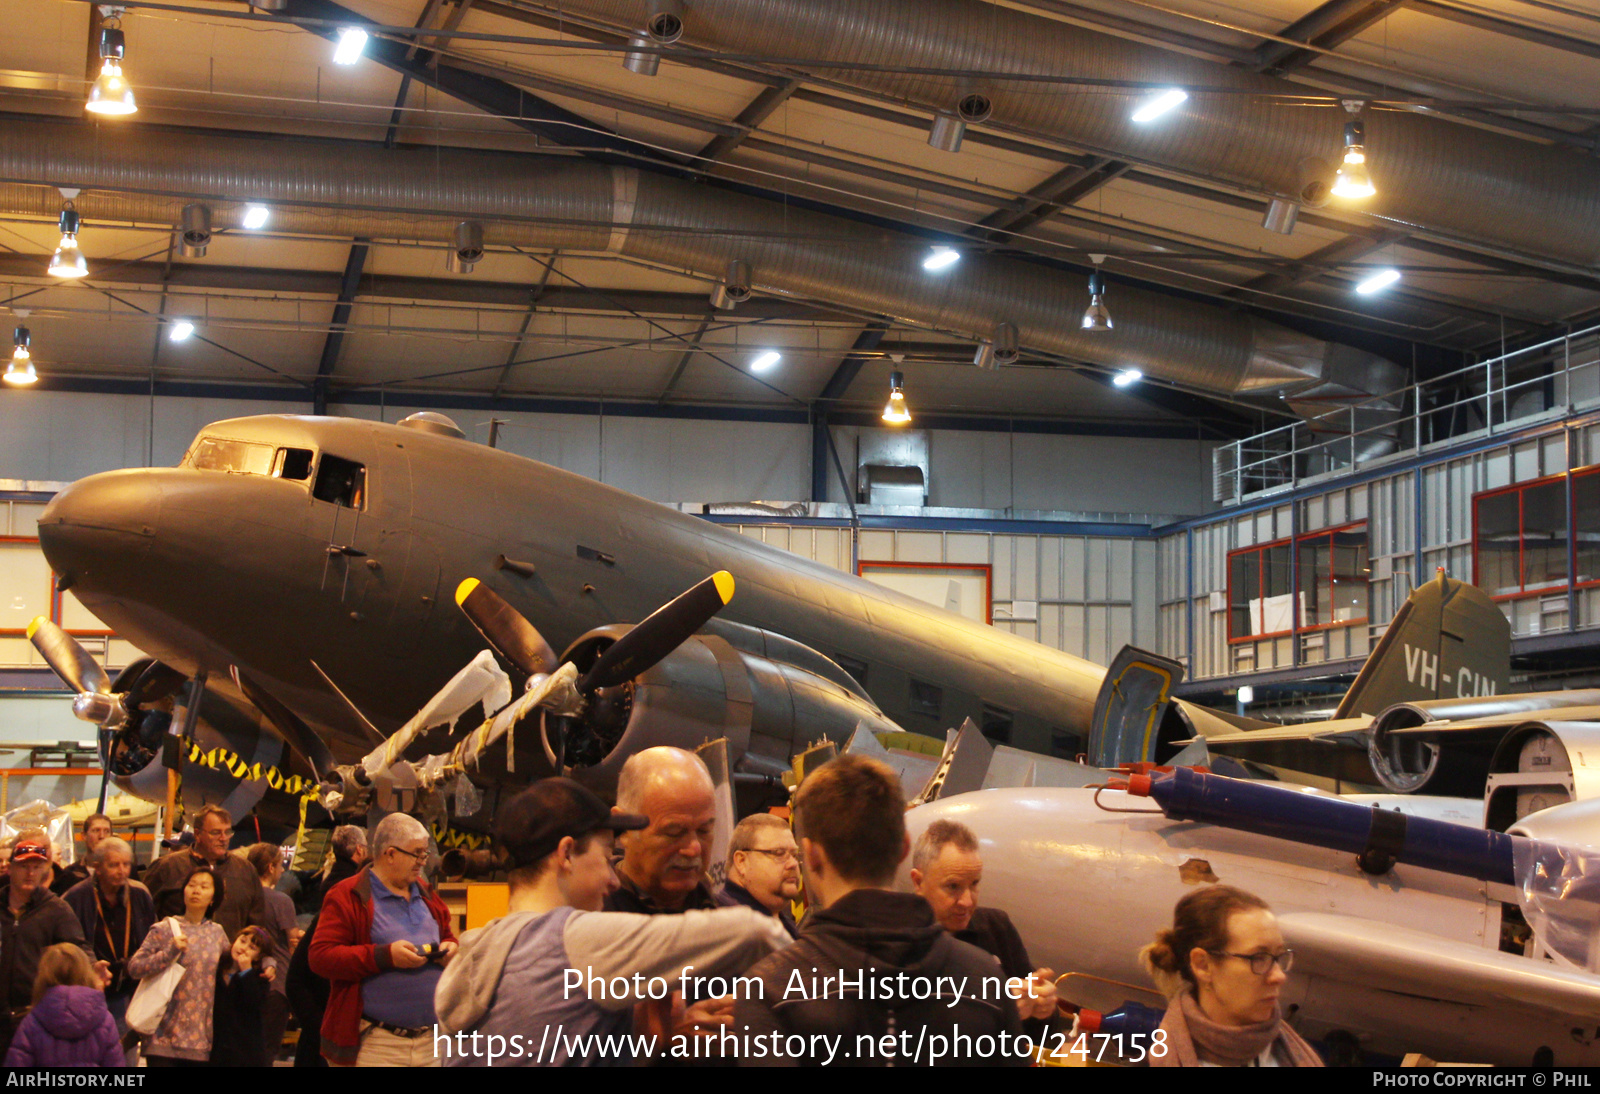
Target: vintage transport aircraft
302,570
304,587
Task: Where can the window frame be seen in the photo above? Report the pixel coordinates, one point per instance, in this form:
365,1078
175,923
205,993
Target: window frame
1569,502
1294,544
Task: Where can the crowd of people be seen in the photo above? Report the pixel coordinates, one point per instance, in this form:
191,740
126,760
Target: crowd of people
615,948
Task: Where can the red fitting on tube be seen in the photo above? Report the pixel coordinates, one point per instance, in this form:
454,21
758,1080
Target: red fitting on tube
1139,786
1089,1020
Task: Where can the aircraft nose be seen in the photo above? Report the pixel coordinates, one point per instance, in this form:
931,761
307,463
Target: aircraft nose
100,523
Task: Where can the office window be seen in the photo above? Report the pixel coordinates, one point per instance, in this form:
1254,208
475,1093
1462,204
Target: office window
1520,536
1330,576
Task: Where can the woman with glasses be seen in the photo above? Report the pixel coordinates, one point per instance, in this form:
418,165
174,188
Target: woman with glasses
1222,963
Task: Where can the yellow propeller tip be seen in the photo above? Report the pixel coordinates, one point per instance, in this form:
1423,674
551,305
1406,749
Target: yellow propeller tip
724,582
38,621
465,589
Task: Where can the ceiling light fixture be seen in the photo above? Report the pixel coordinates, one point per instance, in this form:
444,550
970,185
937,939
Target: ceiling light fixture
110,93
182,330
1127,376
764,361
1352,179
1280,216
467,251
19,370
352,43
1378,281
734,288
255,217
1097,316
636,61
941,258
947,131
68,261
1160,103
195,231
895,412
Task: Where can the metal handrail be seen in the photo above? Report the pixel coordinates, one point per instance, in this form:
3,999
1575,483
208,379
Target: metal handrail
1278,459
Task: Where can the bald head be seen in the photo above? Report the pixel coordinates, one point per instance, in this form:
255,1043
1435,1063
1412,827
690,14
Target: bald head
673,788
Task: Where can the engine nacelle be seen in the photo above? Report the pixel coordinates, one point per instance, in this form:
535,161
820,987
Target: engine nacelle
1538,766
768,705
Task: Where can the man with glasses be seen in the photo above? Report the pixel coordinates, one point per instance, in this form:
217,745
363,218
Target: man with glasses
382,941
763,869
242,904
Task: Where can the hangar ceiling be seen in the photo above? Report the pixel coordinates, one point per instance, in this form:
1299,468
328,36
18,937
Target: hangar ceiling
795,135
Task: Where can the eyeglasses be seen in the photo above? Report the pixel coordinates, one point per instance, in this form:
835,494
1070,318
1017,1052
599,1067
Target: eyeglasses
776,854
417,856
1261,963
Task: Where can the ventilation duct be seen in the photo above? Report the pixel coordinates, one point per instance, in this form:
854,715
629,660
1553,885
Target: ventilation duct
147,176
1462,182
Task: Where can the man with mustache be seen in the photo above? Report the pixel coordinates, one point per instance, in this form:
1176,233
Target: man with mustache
663,867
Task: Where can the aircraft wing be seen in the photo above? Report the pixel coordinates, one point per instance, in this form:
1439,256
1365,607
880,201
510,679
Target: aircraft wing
1409,961
1337,750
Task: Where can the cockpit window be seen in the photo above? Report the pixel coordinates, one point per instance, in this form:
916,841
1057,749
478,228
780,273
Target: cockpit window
342,482
294,463
232,457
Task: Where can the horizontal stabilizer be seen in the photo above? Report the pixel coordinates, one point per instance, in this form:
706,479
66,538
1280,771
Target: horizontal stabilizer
1413,962
1335,750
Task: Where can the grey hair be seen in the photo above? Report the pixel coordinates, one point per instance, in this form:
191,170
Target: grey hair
106,846
933,840
348,839
641,767
395,829
744,833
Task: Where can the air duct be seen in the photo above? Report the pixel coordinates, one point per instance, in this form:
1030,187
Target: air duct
546,202
1460,182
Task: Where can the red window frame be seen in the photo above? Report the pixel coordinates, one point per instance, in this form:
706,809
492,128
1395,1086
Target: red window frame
1293,543
1257,548
863,565
1522,539
1303,628
55,602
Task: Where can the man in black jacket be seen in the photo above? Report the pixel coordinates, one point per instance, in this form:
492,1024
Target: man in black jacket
33,920
873,980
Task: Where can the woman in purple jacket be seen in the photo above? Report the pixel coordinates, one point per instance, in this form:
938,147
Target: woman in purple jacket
69,1025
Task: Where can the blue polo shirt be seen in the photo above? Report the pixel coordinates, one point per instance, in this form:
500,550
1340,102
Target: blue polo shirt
401,997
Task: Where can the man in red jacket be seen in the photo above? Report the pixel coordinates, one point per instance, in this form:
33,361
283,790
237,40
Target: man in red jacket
381,942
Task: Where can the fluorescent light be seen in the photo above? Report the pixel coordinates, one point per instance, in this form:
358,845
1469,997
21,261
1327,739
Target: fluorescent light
181,331
941,258
255,217
1382,279
1159,103
765,361
1127,376
352,40
1247,694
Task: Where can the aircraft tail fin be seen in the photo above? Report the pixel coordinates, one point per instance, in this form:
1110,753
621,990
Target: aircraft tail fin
1448,640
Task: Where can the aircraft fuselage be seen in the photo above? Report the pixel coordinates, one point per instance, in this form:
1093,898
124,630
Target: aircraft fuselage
270,572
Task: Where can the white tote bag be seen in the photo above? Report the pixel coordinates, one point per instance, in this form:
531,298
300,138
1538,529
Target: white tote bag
149,1003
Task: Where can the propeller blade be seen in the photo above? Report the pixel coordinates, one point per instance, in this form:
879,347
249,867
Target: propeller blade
511,635
70,661
663,631
298,735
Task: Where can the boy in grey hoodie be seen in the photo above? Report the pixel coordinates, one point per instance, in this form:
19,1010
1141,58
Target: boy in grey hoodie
555,980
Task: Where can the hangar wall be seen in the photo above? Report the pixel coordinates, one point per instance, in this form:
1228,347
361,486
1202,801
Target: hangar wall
59,436
1418,514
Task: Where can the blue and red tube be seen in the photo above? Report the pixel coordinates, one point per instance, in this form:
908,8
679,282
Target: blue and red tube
1268,810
